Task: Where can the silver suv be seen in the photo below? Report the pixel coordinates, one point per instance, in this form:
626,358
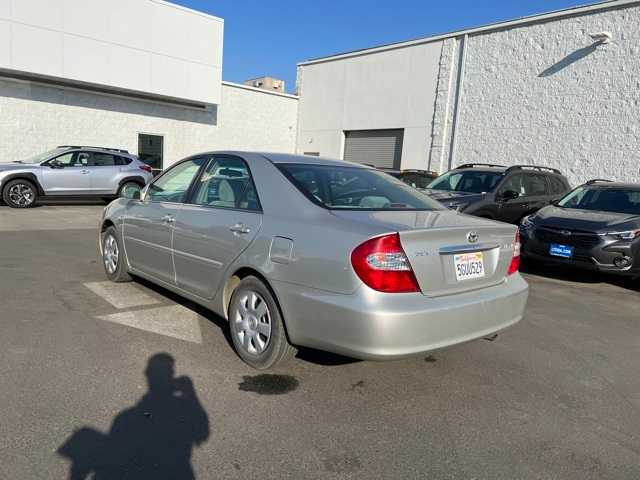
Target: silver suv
71,171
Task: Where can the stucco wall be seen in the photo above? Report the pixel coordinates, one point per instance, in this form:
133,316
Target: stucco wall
546,94
35,118
385,90
150,46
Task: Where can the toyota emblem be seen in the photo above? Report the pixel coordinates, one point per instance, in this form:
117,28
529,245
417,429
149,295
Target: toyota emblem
472,237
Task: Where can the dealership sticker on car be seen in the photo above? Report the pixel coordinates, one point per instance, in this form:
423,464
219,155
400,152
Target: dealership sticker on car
469,266
558,250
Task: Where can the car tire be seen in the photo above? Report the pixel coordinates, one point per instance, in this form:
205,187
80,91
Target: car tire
113,257
257,327
20,193
127,185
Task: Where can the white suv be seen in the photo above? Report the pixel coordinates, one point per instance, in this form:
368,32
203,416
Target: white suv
72,171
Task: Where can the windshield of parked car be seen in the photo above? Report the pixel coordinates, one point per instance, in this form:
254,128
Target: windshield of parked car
471,181
617,200
41,157
353,188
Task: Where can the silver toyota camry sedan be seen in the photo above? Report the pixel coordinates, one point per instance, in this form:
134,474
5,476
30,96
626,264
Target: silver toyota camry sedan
306,251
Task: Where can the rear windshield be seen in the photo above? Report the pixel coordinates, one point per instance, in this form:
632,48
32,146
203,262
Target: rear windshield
617,200
471,181
353,188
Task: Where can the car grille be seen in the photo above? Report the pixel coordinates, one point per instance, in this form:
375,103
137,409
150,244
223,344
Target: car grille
573,238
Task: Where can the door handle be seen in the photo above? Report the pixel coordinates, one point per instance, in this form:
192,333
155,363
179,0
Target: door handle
168,219
240,228
84,172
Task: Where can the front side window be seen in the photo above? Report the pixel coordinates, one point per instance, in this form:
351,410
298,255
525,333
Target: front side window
617,200
66,160
470,181
174,184
515,183
226,183
353,188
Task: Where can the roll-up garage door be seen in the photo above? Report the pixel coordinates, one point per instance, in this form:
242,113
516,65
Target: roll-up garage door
380,148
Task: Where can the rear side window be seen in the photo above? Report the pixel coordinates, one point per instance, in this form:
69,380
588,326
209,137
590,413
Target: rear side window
96,159
558,186
353,188
226,183
535,185
121,161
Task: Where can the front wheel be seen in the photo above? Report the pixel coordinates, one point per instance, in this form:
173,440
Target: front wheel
113,259
20,194
257,328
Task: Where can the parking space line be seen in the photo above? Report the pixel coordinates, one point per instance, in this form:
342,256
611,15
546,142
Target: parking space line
174,321
122,295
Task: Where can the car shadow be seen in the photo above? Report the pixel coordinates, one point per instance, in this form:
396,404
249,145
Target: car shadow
153,439
310,355
576,275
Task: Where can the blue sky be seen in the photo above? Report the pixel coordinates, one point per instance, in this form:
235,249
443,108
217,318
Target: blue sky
269,37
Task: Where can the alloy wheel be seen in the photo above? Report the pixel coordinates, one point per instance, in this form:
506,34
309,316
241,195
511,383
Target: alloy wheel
252,323
21,194
110,254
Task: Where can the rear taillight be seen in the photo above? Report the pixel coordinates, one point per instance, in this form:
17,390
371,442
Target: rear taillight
146,168
382,265
515,260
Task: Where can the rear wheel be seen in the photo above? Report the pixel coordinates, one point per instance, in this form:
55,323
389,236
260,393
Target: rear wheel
20,194
113,259
257,328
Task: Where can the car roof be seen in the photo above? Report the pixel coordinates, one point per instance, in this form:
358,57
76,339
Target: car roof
284,158
613,185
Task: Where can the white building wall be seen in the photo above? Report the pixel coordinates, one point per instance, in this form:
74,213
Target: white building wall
546,94
149,46
385,90
35,118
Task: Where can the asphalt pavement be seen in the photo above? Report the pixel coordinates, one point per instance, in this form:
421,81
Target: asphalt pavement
90,371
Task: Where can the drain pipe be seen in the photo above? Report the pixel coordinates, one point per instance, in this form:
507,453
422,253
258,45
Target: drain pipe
459,91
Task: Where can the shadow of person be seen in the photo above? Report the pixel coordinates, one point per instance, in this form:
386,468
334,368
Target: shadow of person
153,439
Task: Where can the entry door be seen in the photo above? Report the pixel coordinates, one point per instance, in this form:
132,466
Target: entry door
65,175
151,151
220,221
148,230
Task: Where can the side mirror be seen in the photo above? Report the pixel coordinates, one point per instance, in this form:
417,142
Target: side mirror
509,195
55,164
135,195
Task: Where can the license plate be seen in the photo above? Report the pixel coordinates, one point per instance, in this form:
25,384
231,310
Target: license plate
469,266
558,250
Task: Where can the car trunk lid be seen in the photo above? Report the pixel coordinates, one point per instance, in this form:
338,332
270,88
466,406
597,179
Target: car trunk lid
438,243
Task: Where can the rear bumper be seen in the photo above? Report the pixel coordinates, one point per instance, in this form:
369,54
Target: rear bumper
375,326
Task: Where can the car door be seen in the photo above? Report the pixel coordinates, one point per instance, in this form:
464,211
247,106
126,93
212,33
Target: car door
512,209
538,192
217,224
103,171
148,225
65,175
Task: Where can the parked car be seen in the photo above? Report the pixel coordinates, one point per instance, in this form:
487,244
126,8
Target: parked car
416,178
498,192
72,171
596,226
306,251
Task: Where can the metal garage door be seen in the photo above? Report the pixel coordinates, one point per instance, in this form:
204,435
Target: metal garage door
381,148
